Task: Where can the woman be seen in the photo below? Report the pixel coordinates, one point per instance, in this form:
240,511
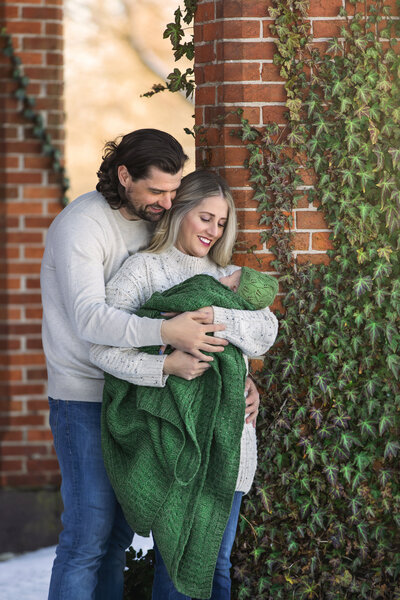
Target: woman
196,236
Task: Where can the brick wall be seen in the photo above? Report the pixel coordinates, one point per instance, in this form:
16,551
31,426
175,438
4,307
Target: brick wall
30,199
234,69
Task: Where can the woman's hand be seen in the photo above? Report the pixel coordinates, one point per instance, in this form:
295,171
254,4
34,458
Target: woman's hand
184,365
252,401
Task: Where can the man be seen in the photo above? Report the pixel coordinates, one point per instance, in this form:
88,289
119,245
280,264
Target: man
86,244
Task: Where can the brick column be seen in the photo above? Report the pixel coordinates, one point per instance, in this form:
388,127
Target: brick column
234,68
31,198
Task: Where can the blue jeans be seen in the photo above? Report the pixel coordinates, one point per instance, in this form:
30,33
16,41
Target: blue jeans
164,589
90,556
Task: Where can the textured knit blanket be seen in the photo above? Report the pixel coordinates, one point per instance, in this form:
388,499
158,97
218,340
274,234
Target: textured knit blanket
172,453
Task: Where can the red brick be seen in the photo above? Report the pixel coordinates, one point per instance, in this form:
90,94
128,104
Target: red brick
42,464
42,43
243,8
19,299
205,12
24,27
230,156
34,343
39,435
315,259
321,8
241,29
245,50
10,12
38,222
241,72
261,262
22,359
327,29
32,58
36,375
310,220
301,241
11,436
23,390
13,283
321,241
251,93
24,177
213,114
205,95
236,177
20,329
8,344
274,114
44,73
42,192
54,28
42,13
247,240
303,202
11,375
33,252
210,31
204,53
54,58
243,198
250,219
271,72
38,405
10,465
24,238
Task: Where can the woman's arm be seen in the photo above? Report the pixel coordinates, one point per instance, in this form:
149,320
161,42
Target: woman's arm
127,291
253,331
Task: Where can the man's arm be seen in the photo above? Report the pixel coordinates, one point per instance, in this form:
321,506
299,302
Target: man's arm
79,255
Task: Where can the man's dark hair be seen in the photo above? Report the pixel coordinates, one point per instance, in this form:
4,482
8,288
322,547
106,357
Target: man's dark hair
138,151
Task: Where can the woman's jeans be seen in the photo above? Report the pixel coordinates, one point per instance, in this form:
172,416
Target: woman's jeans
164,589
90,556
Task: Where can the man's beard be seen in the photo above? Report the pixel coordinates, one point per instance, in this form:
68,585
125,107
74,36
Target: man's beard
142,212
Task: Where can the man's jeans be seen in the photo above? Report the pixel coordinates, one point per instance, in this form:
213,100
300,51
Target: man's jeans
90,556
164,589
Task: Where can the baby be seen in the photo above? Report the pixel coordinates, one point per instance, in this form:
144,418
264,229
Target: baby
257,288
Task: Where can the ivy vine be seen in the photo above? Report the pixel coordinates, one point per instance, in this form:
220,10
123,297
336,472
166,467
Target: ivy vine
325,512
28,110
175,31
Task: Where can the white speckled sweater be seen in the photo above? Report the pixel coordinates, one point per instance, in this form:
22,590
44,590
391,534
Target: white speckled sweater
253,332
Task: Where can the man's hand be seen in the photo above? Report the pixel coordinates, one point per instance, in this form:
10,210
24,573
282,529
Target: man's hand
252,401
184,365
188,332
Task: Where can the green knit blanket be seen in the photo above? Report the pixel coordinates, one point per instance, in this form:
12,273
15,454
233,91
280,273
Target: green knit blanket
172,454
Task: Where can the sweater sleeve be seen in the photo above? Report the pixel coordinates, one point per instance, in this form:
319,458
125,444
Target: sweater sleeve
253,331
79,257
127,291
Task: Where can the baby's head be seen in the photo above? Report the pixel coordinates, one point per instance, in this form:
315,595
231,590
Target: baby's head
257,288
232,281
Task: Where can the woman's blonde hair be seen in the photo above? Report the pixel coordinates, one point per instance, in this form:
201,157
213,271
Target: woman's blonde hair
193,189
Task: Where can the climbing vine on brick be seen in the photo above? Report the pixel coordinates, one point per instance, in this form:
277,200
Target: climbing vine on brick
325,511
31,114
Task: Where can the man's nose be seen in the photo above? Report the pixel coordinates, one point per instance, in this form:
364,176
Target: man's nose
166,201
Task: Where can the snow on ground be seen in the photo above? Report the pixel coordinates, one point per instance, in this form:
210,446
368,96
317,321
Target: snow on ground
26,577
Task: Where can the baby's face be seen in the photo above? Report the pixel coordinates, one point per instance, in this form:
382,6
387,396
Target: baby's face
232,281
